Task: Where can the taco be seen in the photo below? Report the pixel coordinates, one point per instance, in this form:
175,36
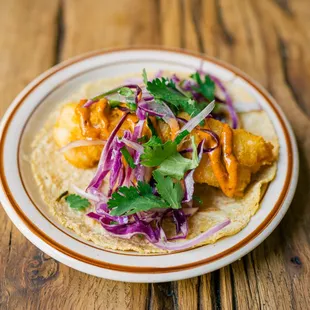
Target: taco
155,165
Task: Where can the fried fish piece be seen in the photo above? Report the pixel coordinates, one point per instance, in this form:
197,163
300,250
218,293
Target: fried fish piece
66,130
78,123
251,152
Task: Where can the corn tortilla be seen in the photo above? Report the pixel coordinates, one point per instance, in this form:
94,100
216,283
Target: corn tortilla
54,175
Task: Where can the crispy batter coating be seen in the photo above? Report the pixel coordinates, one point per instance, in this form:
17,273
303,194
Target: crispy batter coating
251,151
66,130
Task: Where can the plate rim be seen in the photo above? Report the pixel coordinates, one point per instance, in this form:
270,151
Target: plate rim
285,197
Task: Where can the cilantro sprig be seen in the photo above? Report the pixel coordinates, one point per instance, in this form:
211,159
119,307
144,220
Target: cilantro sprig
130,200
126,92
77,202
165,90
130,98
155,152
170,191
176,165
206,87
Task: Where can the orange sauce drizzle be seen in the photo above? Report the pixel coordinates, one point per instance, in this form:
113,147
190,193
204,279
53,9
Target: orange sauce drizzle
225,169
86,127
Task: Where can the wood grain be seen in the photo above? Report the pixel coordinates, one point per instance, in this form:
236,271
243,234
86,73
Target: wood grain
268,39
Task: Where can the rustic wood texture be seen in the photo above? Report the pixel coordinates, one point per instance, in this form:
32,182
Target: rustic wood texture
268,39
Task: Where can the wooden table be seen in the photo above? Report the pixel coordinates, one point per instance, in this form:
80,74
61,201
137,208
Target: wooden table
269,40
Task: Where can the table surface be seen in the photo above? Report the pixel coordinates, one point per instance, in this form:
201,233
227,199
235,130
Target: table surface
267,39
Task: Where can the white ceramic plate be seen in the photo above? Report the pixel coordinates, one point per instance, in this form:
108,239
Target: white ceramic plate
19,194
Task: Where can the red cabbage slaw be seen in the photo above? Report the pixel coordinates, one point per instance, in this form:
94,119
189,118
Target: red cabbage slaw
148,223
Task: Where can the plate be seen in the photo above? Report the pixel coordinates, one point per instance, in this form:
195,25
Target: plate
20,198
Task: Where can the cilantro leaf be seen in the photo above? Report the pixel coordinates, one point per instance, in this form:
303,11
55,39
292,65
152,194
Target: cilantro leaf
181,136
206,87
130,200
114,103
128,157
126,92
77,202
154,141
165,90
155,152
131,105
130,98
176,165
171,192
193,108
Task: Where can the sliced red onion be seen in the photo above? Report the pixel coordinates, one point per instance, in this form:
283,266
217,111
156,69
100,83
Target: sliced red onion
191,124
79,143
84,194
98,193
176,246
169,114
181,225
134,145
102,168
228,100
137,132
152,109
149,216
210,149
103,210
214,136
189,186
158,109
